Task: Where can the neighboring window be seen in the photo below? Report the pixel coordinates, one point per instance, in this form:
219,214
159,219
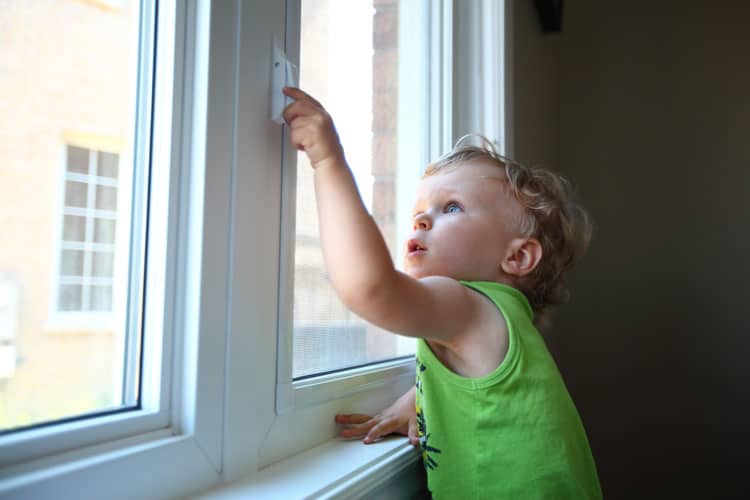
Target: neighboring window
350,55
72,209
87,247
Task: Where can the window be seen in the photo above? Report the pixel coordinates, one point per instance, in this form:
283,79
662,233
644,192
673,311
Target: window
101,155
71,154
368,63
198,180
87,247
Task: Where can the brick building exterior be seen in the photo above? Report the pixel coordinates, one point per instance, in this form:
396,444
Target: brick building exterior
66,76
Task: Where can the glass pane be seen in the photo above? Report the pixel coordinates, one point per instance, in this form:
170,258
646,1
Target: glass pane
101,298
104,230
74,228
106,198
70,297
107,165
71,263
75,194
103,264
349,58
68,86
78,160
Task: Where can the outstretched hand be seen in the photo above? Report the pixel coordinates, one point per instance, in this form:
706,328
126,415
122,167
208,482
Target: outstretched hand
399,418
312,129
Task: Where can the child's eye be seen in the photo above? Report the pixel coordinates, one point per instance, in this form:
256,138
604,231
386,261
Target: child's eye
452,208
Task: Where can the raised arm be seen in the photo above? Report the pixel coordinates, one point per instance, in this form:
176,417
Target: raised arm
356,257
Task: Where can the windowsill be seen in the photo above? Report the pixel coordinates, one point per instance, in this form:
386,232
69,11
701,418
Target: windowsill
336,468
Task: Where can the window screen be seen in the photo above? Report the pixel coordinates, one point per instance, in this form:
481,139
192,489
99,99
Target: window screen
349,60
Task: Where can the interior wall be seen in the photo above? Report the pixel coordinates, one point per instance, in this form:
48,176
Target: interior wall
533,93
645,105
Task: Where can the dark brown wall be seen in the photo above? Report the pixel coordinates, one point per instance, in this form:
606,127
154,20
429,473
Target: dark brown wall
654,128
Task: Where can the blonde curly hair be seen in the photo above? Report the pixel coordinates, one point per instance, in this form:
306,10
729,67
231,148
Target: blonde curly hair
551,215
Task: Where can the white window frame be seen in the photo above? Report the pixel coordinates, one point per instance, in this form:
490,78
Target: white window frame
28,445
298,416
479,106
213,282
175,429
292,395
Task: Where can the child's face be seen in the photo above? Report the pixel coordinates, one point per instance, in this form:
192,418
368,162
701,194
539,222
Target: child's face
463,222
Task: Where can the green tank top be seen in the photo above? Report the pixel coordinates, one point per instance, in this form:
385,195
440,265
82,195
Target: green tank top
514,433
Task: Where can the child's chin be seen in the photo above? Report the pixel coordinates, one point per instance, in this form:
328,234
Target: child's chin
415,273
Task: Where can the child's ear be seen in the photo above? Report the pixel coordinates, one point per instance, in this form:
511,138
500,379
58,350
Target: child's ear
523,256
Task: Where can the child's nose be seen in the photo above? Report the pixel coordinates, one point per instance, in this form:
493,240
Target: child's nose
423,222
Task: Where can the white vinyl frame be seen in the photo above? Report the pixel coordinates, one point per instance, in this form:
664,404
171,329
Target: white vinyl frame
293,395
419,23
289,417
416,25
480,78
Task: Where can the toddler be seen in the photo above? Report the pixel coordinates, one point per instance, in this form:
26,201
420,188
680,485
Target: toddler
489,245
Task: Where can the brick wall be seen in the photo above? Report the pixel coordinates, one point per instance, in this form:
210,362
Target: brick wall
384,137
385,118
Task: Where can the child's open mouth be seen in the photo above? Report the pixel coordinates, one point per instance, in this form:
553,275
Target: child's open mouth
415,247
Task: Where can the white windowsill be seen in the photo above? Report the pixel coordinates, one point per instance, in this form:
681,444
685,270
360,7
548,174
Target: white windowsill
334,469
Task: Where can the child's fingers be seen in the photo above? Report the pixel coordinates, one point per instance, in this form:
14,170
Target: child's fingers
358,424
352,418
359,429
382,428
413,434
300,135
299,109
299,94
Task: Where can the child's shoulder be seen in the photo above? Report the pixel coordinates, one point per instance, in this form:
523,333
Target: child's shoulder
482,345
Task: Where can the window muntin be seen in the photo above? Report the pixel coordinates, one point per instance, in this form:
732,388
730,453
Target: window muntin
349,60
68,146
88,244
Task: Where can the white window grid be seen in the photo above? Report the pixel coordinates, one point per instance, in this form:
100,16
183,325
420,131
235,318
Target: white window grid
87,279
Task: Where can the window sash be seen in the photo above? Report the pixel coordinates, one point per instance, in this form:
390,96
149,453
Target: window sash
54,437
414,45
